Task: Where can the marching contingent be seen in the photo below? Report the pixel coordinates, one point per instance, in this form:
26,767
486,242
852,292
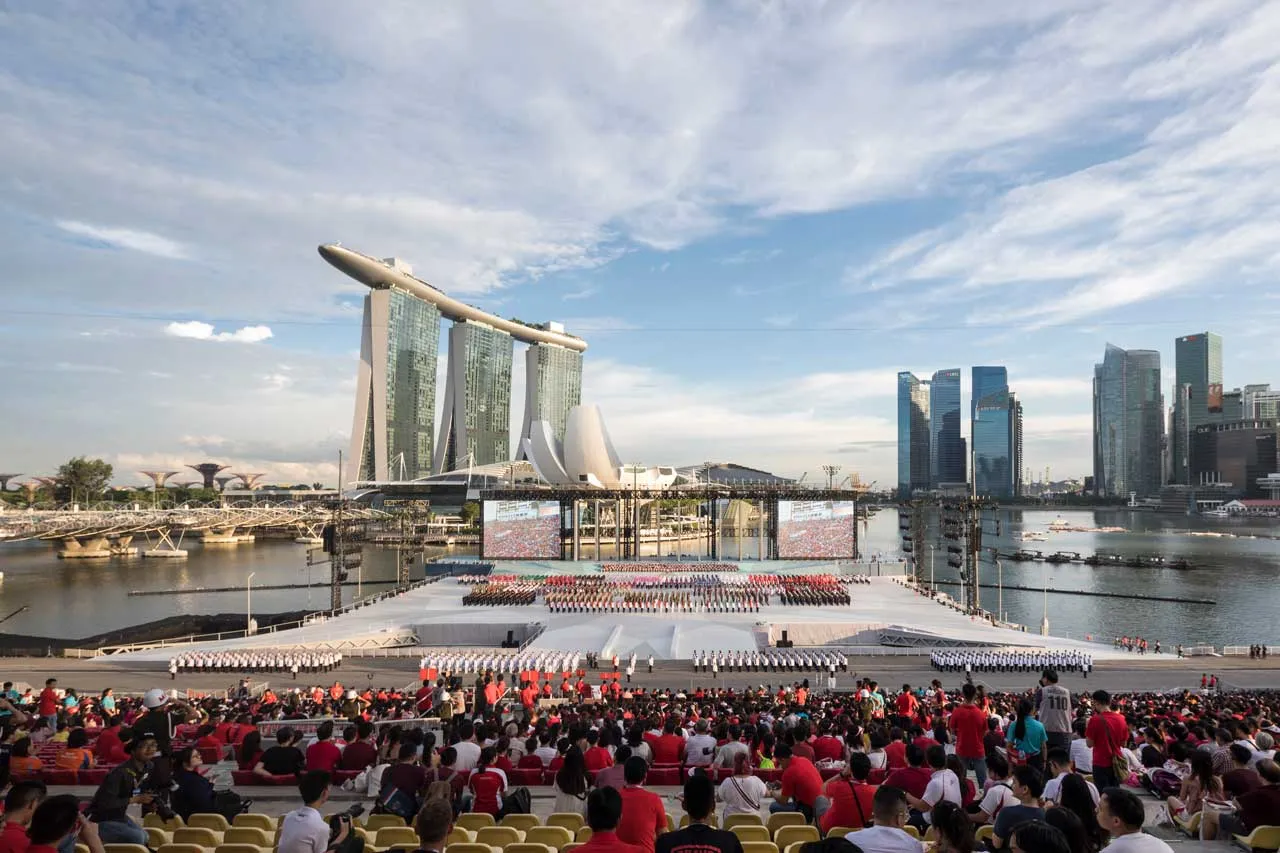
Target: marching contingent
258,660
805,660
1069,660
500,662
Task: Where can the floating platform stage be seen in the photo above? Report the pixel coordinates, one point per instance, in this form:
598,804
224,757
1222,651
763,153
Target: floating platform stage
884,611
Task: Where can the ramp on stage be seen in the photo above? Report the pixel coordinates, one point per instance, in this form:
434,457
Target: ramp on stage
883,611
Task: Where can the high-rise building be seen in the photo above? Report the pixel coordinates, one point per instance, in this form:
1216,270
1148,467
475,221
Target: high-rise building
1260,403
1236,455
1015,443
1197,394
991,433
393,434
946,447
1128,423
395,387
553,386
475,424
913,434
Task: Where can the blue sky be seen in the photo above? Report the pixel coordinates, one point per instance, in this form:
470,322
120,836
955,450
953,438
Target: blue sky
756,212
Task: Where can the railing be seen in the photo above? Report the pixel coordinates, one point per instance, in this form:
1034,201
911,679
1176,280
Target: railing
1198,651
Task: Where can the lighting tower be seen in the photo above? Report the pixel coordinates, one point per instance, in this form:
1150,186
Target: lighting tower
4,481
831,471
208,470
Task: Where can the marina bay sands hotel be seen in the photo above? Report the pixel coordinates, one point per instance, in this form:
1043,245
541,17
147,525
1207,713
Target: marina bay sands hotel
392,433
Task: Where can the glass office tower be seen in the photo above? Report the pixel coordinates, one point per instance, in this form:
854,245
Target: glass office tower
1198,395
946,447
991,433
1128,423
913,434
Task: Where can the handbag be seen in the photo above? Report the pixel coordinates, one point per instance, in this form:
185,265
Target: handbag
394,801
517,801
1119,764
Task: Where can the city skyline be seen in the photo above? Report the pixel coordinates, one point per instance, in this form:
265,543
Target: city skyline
754,248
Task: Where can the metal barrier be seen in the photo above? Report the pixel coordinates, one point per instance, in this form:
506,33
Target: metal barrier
1198,651
1236,650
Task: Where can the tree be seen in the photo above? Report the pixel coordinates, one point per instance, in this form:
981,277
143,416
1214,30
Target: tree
317,486
83,479
469,513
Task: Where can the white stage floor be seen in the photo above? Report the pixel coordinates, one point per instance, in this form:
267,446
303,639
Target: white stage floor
436,611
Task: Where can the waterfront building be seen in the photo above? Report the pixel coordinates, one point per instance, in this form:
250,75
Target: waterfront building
1128,423
393,434
553,385
1197,395
913,434
1236,455
946,447
1015,442
991,433
475,423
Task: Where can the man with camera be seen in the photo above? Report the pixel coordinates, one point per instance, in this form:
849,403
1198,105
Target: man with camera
126,785
305,830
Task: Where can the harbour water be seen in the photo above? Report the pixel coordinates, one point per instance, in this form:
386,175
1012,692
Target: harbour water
1238,570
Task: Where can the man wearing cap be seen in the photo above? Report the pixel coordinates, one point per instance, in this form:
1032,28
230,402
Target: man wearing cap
124,786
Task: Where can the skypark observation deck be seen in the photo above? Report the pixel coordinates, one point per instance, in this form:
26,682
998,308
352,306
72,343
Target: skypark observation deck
882,612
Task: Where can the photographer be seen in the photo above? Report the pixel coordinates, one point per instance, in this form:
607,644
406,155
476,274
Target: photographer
305,831
124,786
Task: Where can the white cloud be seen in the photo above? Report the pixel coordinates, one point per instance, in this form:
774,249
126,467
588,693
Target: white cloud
199,331
124,238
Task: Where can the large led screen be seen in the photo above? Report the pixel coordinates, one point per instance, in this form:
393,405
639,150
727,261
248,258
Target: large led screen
521,530
815,530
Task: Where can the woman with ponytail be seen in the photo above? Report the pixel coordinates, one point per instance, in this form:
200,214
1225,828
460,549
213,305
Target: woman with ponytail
954,829
741,793
487,784
1027,736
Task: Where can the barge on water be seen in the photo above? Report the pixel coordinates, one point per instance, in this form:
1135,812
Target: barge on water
1141,561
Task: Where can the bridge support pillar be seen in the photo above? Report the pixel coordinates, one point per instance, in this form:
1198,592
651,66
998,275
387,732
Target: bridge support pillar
164,547
224,536
92,548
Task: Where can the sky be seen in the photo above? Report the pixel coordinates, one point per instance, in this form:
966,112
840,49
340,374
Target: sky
756,213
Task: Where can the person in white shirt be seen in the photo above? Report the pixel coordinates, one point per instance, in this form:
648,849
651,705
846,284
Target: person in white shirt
999,795
305,830
467,748
943,785
699,749
1081,753
1059,769
887,836
743,793
1121,814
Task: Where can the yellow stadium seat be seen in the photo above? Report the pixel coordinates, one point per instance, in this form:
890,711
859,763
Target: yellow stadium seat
471,847
395,836
199,835
180,848
374,822
671,823
125,848
257,821
571,821
759,847
498,836
912,831
248,835
1190,825
780,819
240,848
527,847
522,822
460,836
154,819
583,835
788,835
216,822
742,820
555,837
157,837
751,832
983,833
839,831
475,820
82,848
711,820
1262,838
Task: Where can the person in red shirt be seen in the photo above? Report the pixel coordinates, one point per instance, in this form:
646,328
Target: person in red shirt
596,757
423,696
669,746
1107,733
57,820
643,816
47,706
895,752
361,752
915,777
324,753
970,726
801,784
850,795
19,805
828,746
907,704
486,784
604,814
208,739
528,696
108,748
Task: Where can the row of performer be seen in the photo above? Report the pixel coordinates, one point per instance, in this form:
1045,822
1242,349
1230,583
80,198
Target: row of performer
257,661
516,662
1067,660
806,660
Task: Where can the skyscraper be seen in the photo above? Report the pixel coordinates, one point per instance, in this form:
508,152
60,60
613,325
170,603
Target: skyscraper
553,386
913,434
946,447
991,433
1197,394
395,387
1128,423
476,419
1015,443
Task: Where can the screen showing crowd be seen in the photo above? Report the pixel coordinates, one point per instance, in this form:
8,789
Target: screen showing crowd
521,530
815,530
